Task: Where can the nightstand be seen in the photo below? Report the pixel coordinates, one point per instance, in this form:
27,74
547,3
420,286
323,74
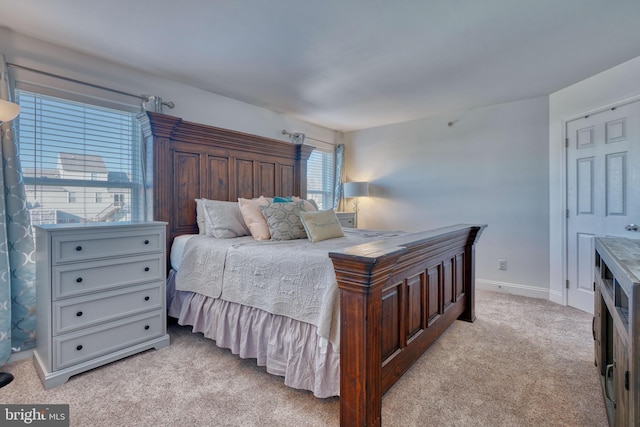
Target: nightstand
100,292
347,219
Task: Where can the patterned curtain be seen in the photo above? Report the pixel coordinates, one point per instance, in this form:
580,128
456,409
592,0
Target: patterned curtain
17,253
338,200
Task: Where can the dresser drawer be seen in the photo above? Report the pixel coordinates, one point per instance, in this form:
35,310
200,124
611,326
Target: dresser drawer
79,247
347,219
90,343
81,278
75,313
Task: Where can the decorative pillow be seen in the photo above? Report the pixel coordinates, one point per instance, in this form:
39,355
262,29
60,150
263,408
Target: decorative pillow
200,217
309,205
282,199
321,225
252,215
284,221
223,220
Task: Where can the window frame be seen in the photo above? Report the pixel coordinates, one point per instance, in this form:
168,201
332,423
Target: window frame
326,194
134,186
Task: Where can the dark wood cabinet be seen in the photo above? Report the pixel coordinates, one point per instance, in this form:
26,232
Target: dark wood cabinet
616,327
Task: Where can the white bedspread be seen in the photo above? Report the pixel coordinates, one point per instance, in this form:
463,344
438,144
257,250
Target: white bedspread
293,278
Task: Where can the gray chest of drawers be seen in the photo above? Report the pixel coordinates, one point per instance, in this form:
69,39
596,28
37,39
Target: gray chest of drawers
100,295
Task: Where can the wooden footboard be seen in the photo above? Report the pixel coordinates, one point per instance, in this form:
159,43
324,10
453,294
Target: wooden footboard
396,298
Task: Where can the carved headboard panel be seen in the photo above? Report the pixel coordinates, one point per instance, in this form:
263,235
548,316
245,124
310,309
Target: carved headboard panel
188,160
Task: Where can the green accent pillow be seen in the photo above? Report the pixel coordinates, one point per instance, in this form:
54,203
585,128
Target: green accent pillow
321,225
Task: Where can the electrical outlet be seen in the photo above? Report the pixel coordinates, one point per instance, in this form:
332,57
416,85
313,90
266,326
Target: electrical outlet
502,264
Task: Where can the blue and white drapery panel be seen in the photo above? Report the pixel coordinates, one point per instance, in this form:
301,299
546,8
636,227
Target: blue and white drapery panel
338,199
17,252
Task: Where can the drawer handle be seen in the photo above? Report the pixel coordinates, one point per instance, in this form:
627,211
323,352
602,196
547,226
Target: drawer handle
79,347
79,314
79,280
78,248
608,382
146,242
146,269
146,327
147,298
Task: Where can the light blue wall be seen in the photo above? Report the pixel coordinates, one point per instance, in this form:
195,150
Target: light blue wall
490,167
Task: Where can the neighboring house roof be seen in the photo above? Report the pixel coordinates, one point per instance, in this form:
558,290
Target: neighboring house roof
40,173
49,189
71,162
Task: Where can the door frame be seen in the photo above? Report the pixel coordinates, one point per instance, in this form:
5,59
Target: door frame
564,294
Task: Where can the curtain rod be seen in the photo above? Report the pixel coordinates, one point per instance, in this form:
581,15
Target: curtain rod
145,98
319,140
293,135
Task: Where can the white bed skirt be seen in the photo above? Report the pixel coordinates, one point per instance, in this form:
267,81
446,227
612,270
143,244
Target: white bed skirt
286,347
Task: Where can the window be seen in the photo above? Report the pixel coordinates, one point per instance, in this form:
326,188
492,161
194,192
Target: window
320,177
81,162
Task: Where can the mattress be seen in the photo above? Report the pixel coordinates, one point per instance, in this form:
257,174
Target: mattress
177,250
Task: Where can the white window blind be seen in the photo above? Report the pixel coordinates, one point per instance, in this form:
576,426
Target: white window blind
81,162
320,176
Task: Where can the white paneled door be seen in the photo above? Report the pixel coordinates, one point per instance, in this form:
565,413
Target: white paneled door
603,190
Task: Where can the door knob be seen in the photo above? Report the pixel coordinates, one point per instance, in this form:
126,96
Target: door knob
631,227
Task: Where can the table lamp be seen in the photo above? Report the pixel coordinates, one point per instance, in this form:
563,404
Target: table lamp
353,190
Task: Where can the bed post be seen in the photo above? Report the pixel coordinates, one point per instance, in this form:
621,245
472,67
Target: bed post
361,278
469,313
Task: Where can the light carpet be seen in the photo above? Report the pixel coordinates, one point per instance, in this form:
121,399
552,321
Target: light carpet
523,362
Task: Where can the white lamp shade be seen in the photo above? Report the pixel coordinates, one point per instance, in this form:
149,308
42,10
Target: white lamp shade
8,110
356,189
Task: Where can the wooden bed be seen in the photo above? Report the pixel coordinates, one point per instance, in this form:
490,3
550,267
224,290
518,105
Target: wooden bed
396,297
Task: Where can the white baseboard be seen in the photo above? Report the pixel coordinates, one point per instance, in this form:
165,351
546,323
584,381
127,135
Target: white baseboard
557,297
514,289
21,355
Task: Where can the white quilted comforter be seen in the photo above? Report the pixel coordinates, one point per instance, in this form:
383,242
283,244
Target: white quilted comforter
293,278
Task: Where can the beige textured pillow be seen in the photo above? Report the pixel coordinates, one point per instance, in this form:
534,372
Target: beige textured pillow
252,215
321,225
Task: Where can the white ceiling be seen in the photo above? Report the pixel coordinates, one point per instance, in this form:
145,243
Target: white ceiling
348,64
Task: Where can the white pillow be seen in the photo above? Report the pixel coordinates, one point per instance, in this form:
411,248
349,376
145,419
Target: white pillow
200,216
223,220
309,205
321,225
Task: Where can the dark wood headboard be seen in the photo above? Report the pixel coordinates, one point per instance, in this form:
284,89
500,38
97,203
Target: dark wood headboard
186,161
